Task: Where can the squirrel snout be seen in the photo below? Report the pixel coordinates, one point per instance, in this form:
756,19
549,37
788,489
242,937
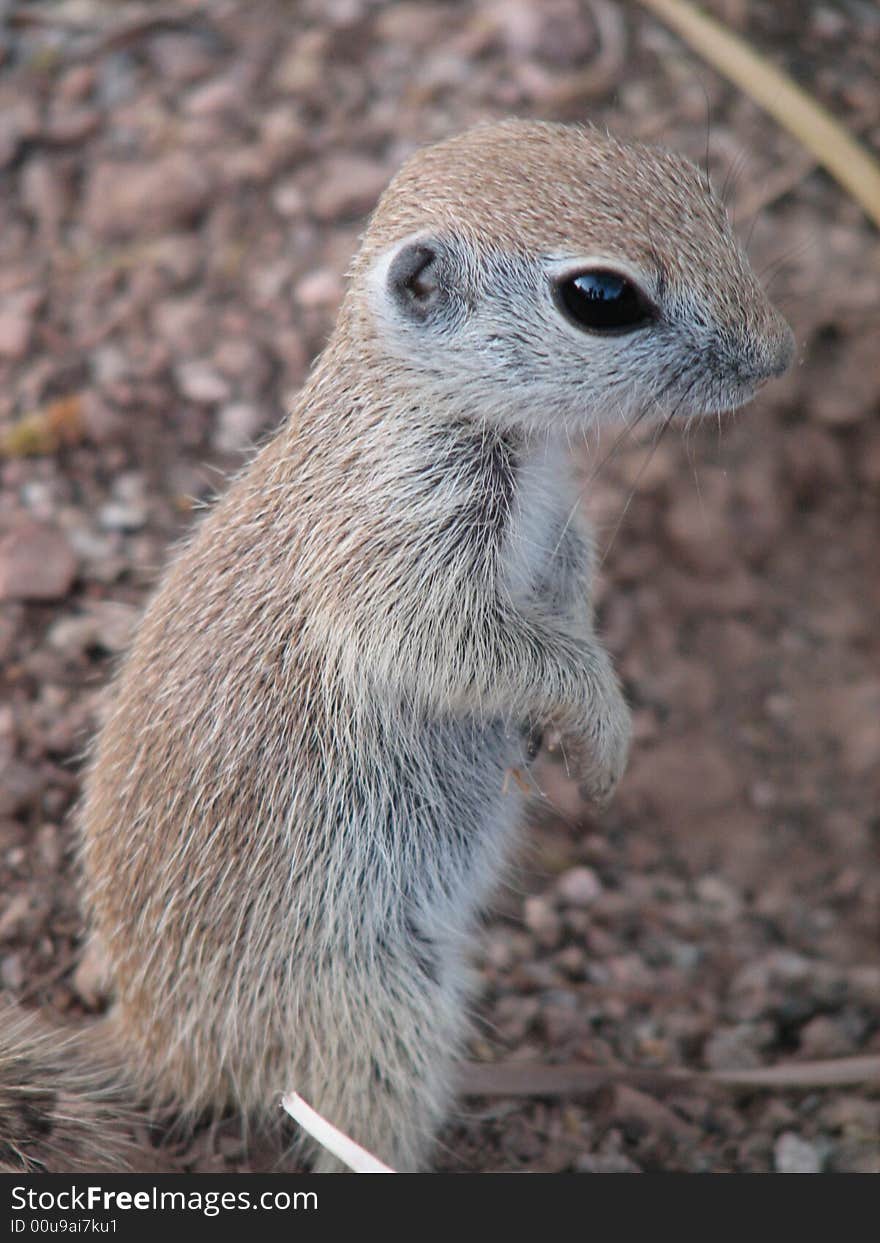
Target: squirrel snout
761,357
780,354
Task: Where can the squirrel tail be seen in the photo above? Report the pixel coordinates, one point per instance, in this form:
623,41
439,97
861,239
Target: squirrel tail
66,1103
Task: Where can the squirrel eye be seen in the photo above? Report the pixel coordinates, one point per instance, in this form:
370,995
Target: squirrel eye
604,301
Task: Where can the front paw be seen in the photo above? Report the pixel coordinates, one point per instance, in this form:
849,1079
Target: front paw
596,755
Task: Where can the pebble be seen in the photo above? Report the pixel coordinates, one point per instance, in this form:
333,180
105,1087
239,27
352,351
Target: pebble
146,199
288,199
211,99
20,787
720,896
238,427
180,57
106,624
19,122
794,1155
36,563
45,194
349,186
738,1047
542,920
579,887
321,288
17,317
628,1106
824,1037
117,516
12,973
200,382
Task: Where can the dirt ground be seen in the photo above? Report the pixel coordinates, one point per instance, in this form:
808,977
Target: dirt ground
182,187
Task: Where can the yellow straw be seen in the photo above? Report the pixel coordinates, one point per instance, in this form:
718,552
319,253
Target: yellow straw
775,92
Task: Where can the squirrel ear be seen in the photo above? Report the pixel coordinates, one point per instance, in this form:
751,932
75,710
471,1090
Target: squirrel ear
414,279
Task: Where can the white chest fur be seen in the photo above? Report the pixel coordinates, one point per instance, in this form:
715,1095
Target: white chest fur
544,503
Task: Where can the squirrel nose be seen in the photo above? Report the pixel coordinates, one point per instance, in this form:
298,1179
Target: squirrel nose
783,355
771,354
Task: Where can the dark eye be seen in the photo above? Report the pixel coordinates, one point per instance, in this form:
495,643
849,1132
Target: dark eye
604,301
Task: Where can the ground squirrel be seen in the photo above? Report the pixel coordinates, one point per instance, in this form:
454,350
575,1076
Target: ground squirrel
299,804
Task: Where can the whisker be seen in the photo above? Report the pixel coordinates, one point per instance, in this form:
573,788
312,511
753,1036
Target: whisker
644,466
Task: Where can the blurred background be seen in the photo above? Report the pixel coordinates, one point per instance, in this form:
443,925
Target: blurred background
182,186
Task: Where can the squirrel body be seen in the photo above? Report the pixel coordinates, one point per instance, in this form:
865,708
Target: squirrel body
300,802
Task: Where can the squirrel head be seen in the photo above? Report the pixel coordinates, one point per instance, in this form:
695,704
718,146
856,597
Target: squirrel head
544,275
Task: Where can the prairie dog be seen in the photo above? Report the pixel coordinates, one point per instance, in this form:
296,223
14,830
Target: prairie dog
298,806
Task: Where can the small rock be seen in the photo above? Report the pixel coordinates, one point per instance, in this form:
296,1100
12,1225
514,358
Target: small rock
36,563
823,1037
110,364
497,951
610,1157
629,1108
579,887
106,624
794,1155
117,516
128,198
863,983
178,256
101,423
15,916
302,69
77,83
514,1016
17,315
49,847
45,194
606,1163
719,896
19,122
237,357
851,1114
543,922
322,288
216,98
559,1023
572,961
68,126
738,1047
180,58
283,138
853,713
349,187
183,323
15,334
200,382
288,199
238,426
12,972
